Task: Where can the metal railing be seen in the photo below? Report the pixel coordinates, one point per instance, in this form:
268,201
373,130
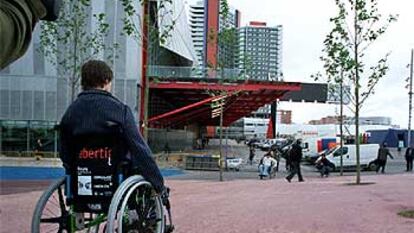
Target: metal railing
177,72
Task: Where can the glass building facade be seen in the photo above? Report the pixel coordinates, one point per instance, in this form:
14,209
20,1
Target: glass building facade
35,91
34,88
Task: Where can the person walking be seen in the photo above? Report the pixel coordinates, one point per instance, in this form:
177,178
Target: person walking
295,156
38,149
383,154
251,154
409,156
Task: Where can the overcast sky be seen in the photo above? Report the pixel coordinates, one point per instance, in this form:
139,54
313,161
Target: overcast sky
305,24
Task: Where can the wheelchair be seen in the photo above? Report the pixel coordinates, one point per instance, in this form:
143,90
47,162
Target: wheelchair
99,193
271,172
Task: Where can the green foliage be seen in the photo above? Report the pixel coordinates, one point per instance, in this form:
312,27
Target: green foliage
134,27
226,38
345,49
346,45
67,43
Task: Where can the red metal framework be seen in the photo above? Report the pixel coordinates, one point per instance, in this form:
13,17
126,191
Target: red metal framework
191,102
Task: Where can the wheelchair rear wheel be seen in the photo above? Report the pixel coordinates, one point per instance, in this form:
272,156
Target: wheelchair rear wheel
52,213
135,208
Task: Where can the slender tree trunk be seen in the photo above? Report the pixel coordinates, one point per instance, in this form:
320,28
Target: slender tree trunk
146,101
358,166
410,93
145,81
75,58
221,138
341,121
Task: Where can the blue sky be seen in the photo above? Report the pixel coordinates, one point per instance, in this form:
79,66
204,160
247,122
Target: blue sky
305,24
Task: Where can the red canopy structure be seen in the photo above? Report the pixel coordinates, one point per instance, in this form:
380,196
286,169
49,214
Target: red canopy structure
269,132
176,103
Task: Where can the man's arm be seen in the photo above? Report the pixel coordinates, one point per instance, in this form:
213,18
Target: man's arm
389,154
141,153
274,162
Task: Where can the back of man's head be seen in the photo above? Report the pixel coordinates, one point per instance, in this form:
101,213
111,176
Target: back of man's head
95,74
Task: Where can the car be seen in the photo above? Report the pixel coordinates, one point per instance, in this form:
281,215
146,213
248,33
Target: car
268,143
234,163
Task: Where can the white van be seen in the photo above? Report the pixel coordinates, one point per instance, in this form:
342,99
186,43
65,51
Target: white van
368,155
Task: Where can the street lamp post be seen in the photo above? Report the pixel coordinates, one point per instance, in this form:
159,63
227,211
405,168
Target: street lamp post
410,93
217,107
221,138
341,131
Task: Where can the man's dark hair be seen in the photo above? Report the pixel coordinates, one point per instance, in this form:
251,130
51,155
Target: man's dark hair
95,73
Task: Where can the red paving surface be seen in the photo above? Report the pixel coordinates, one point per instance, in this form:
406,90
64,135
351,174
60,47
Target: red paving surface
254,206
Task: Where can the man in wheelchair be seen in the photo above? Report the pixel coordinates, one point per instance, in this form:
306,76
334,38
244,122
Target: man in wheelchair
102,151
267,165
97,111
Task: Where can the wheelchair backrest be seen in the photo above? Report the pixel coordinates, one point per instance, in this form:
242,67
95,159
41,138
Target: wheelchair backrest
95,171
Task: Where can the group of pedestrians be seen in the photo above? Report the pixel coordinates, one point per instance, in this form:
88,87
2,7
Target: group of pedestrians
270,161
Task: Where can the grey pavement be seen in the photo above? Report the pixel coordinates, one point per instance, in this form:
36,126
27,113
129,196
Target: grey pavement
268,206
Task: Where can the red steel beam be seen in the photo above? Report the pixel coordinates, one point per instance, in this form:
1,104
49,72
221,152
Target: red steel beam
185,108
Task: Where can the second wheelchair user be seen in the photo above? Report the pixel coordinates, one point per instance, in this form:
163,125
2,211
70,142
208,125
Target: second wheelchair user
266,164
89,114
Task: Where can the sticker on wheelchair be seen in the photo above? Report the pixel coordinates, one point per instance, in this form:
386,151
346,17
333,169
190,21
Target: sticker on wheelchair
85,185
95,162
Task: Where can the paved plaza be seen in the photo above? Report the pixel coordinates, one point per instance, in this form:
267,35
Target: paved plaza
259,206
243,203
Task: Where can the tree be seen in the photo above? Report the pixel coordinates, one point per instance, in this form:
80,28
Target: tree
226,40
357,25
150,31
67,43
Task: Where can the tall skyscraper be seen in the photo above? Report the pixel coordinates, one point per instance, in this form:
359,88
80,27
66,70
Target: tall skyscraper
260,51
206,24
196,17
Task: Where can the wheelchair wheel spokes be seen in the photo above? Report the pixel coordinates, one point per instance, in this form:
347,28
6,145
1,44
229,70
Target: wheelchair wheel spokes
135,208
51,212
140,211
55,213
146,209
